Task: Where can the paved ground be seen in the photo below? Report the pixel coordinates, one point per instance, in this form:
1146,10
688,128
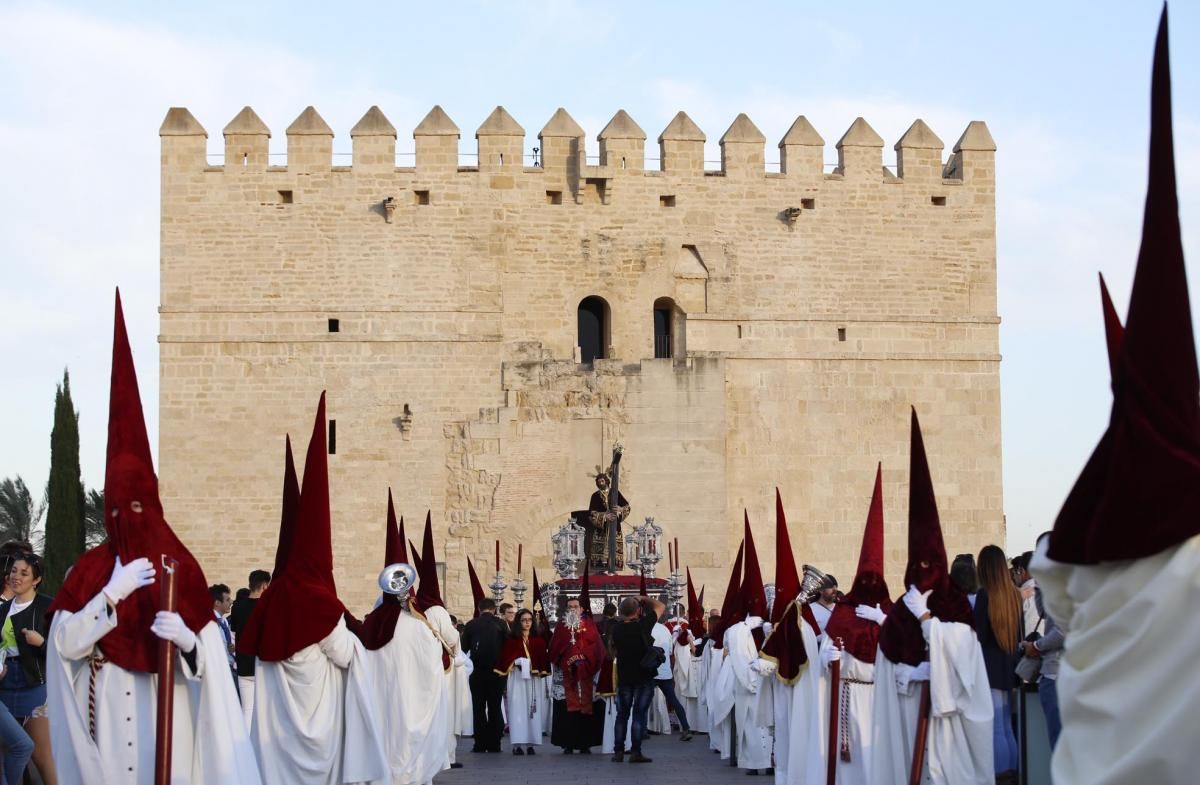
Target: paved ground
675,763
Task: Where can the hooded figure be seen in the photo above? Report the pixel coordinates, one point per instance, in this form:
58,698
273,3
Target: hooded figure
102,646
315,718
688,670
928,637
414,707
455,664
717,687
477,592
1121,564
741,673
852,636
786,653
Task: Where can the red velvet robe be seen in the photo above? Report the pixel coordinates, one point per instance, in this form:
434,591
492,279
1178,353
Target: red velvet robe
579,655
534,648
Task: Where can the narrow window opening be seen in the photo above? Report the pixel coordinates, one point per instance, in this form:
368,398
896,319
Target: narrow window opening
333,437
285,197
622,162
739,331
841,333
667,200
669,326
938,201
502,159
422,197
554,197
245,160
335,325
808,204
593,329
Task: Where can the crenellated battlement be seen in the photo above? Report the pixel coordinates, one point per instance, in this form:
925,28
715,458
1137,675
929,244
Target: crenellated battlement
501,149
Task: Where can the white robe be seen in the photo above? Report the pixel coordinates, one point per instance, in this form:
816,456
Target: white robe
796,729
315,717
658,718
860,714
689,686
959,747
1127,688
527,707
754,713
209,737
413,704
720,703
460,719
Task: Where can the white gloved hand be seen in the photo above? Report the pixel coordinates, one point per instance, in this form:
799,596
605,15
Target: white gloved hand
469,666
917,602
767,627
128,578
920,673
753,622
170,627
829,655
523,664
871,613
461,659
756,666
766,667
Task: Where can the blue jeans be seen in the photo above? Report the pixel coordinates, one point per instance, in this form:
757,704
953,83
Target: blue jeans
668,690
18,747
1048,694
635,698
1004,742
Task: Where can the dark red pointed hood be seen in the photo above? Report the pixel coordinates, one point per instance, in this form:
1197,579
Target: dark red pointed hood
136,528
585,594
753,594
787,578
289,511
1114,331
732,607
477,592
537,591
1140,491
429,591
300,607
695,612
380,624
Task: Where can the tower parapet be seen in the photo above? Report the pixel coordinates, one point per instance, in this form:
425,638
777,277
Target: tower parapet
919,153
562,146
310,143
681,146
246,143
974,159
742,149
623,145
501,141
436,139
374,141
802,150
860,152
183,141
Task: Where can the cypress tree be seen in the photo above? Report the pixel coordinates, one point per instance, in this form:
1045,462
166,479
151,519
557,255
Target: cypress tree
64,492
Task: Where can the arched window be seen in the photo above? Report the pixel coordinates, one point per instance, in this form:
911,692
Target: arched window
593,336
668,329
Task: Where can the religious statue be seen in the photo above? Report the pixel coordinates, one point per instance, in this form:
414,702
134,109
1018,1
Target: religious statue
606,546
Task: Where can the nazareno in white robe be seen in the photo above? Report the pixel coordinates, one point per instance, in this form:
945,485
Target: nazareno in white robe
413,704
959,748
209,736
754,713
858,691
1127,689
796,721
315,717
689,686
460,719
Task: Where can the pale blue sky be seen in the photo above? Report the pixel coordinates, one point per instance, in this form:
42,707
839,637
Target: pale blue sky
1064,88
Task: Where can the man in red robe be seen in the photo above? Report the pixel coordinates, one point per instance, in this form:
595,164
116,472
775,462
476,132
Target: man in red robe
577,652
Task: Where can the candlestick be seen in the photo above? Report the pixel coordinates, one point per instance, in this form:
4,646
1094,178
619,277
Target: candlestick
520,552
497,556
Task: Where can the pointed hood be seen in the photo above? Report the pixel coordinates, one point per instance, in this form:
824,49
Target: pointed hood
379,625
477,592
1140,490
414,554
695,611
291,506
732,607
787,579
585,594
900,637
537,591
133,519
1114,331
300,606
753,594
861,636
429,591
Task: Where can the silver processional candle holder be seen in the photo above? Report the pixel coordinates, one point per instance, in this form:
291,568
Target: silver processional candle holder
498,586
550,602
518,589
769,592
567,549
675,588
649,545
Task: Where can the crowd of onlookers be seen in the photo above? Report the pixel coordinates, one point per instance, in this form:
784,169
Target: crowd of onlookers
1021,643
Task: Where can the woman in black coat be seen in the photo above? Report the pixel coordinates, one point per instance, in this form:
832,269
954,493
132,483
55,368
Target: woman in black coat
23,640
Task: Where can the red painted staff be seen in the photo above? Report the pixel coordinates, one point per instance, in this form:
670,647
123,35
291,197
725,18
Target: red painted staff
166,680
918,759
835,694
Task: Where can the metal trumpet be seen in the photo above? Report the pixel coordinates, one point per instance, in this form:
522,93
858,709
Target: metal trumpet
397,578
813,582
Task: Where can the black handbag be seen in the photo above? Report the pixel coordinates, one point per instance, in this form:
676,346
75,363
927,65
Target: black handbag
652,660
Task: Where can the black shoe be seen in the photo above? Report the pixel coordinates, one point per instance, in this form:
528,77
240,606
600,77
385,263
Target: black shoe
686,736
518,751
752,772
618,757
456,765
638,757
530,751
770,772
568,751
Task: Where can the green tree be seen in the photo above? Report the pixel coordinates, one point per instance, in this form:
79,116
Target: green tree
20,516
93,518
64,491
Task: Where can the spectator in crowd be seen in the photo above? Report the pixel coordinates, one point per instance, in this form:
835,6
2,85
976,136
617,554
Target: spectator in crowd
508,614
822,609
222,603
238,616
482,640
964,576
1049,647
9,551
23,677
1027,585
998,625
631,639
664,680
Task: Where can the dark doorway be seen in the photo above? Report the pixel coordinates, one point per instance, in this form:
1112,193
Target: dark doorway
593,329
662,333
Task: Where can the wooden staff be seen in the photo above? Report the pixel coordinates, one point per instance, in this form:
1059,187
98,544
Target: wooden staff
166,680
918,759
835,695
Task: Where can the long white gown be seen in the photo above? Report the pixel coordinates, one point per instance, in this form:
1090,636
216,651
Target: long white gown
959,748
858,693
754,713
315,717
1127,688
460,720
689,686
209,740
527,706
413,705
794,747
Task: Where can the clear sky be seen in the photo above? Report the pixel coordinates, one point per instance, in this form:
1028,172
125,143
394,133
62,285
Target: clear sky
1063,86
